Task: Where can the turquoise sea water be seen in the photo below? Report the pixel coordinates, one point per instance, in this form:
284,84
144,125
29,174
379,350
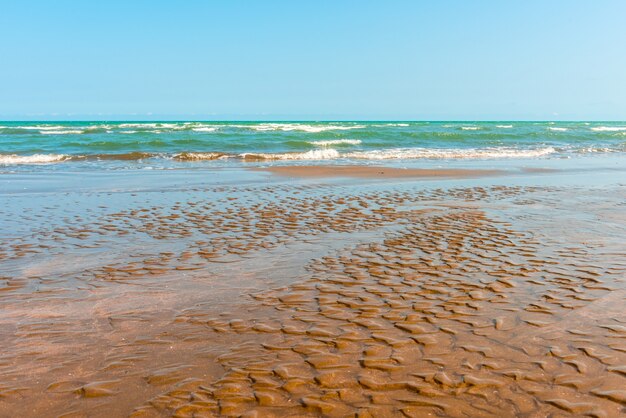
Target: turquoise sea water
32,145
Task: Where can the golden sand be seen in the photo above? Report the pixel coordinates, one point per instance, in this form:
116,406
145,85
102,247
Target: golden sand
322,301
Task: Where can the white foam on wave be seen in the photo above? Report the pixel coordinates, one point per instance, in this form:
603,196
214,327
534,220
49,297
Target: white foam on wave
200,156
470,128
63,132
406,154
425,153
330,142
161,126
609,128
504,126
330,154
60,128
40,127
556,129
31,159
318,154
286,127
137,125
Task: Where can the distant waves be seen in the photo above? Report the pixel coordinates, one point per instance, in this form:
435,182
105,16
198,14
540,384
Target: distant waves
167,143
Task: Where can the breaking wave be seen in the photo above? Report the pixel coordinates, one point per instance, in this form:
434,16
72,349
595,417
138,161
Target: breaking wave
32,159
299,127
386,154
336,142
199,156
609,128
424,153
319,154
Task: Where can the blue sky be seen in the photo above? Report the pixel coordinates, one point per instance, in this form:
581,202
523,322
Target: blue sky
435,60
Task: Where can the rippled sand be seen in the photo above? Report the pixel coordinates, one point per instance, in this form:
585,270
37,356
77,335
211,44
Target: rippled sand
318,298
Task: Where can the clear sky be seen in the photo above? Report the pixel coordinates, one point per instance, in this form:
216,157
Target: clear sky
230,59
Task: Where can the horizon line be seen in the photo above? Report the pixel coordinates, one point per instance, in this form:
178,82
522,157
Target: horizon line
318,120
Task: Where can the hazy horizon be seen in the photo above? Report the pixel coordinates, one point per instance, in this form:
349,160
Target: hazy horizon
191,118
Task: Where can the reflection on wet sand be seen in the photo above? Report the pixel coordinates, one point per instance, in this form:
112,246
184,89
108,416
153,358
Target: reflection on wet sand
363,171
309,300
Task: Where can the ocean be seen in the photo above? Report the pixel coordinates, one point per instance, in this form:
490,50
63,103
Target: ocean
110,145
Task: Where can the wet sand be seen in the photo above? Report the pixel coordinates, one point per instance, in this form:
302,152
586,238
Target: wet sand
308,299
360,171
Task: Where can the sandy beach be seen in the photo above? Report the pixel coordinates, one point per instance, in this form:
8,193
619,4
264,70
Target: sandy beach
453,293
